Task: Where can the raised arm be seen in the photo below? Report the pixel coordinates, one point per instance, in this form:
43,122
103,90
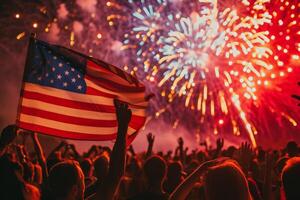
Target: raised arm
40,155
117,162
181,150
131,150
59,147
150,139
75,152
182,191
219,146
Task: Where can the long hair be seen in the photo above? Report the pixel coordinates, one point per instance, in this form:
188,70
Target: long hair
226,181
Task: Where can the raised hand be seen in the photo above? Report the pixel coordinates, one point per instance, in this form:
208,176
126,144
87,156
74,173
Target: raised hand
117,162
180,142
123,113
150,138
131,150
245,156
182,191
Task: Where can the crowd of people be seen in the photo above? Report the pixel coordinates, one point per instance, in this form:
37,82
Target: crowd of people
219,173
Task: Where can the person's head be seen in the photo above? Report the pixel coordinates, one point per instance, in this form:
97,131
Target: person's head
11,174
101,165
230,151
155,170
134,167
290,178
261,154
86,166
226,181
175,170
66,181
292,148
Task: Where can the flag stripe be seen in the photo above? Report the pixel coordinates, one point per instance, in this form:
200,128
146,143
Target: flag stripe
68,103
110,85
93,91
136,122
65,134
115,70
99,72
77,97
68,119
67,111
66,126
70,127
132,98
68,95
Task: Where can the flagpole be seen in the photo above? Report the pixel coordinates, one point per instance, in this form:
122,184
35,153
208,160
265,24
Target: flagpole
26,67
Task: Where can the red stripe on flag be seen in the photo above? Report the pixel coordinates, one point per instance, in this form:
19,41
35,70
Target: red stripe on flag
106,68
65,134
93,91
137,122
68,119
110,85
68,103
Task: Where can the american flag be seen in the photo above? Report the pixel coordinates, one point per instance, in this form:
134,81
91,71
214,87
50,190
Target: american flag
70,95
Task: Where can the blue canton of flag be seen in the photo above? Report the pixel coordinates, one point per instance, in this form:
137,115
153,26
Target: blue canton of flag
49,68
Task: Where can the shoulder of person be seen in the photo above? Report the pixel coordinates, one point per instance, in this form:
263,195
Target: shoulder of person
31,192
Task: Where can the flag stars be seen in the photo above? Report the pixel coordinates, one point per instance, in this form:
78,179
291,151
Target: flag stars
65,84
47,74
53,69
39,78
79,87
67,73
59,76
54,57
72,69
78,75
73,80
60,64
51,81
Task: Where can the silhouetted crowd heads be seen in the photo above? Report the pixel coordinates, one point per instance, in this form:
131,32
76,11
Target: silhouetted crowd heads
205,173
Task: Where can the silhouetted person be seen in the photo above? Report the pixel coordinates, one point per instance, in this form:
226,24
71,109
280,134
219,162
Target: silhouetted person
292,149
291,179
174,176
222,180
101,167
66,181
226,181
87,169
154,171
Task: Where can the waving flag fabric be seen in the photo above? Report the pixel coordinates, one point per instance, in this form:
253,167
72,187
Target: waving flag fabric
70,95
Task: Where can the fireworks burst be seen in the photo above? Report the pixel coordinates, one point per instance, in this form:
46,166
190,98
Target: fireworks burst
218,59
